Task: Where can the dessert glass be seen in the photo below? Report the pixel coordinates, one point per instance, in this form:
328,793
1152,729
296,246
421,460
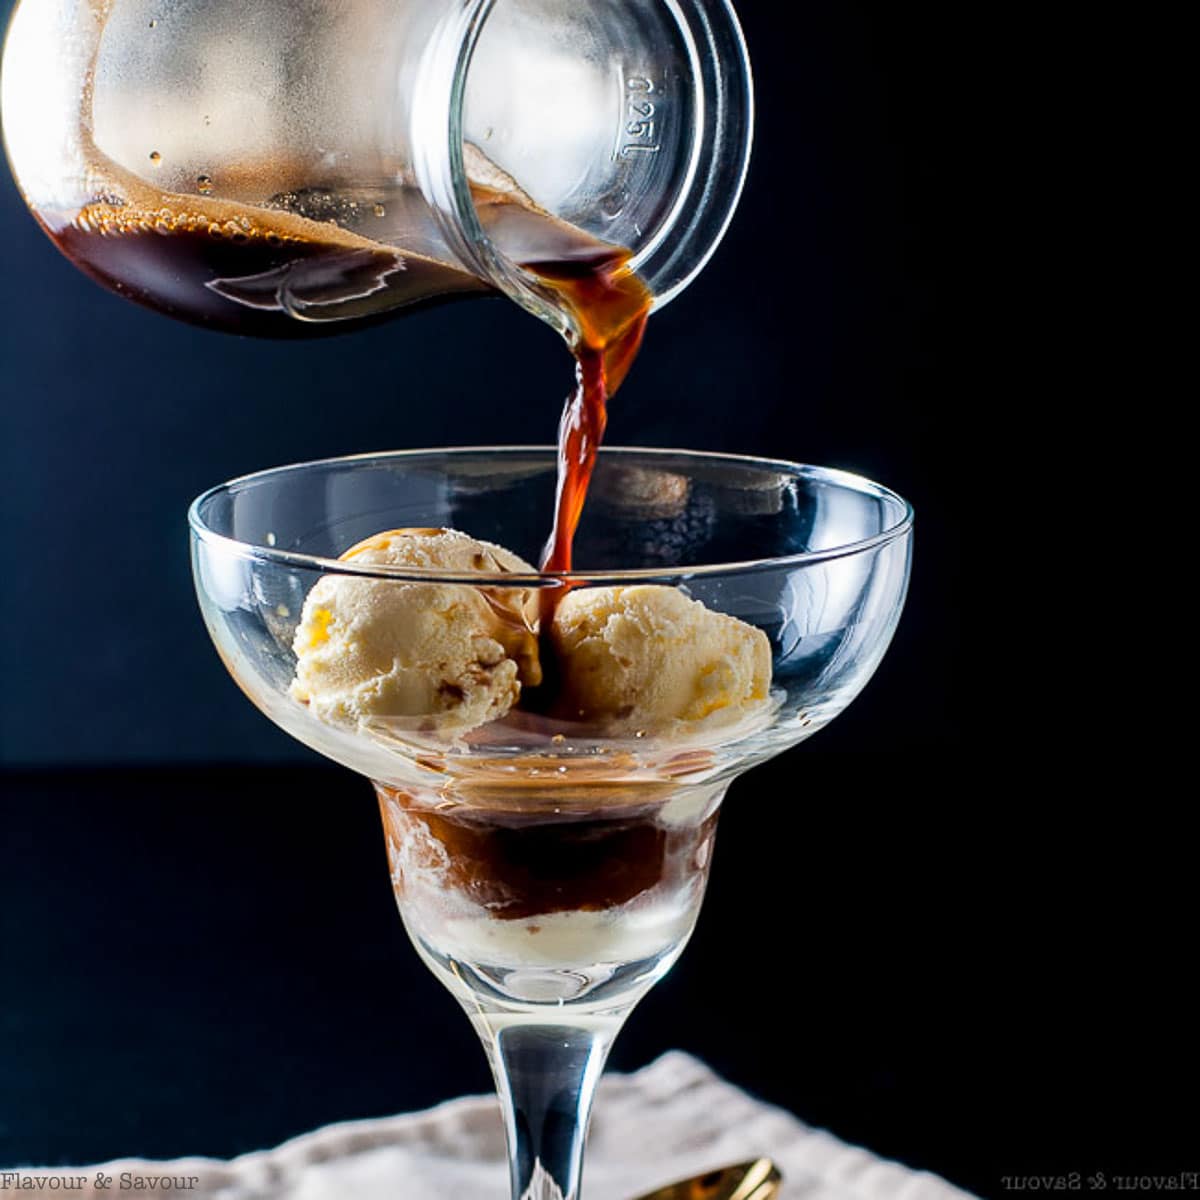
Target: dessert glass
549,870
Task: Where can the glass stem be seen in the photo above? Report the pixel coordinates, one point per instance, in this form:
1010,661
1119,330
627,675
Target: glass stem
546,1075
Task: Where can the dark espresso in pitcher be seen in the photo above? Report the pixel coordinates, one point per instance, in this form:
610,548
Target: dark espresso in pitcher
242,269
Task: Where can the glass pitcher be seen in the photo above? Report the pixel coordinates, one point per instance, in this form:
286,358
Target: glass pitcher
284,167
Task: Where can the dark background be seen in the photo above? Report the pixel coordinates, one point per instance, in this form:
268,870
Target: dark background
924,931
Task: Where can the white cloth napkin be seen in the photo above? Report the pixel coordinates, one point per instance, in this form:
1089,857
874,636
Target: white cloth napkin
672,1119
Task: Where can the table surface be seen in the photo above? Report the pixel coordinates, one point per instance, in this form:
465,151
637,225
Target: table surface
209,961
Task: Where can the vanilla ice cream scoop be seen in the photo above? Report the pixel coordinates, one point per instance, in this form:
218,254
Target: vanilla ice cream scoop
642,658
448,655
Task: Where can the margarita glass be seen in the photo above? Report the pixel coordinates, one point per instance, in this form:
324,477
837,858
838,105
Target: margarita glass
549,870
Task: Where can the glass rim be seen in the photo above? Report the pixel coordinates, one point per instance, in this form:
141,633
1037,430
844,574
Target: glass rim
276,556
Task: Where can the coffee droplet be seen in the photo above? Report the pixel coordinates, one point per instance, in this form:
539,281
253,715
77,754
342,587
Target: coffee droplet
155,157
380,210
152,24
204,183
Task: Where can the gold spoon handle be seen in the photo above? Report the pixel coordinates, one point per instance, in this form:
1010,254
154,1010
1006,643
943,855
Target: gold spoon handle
756,1180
